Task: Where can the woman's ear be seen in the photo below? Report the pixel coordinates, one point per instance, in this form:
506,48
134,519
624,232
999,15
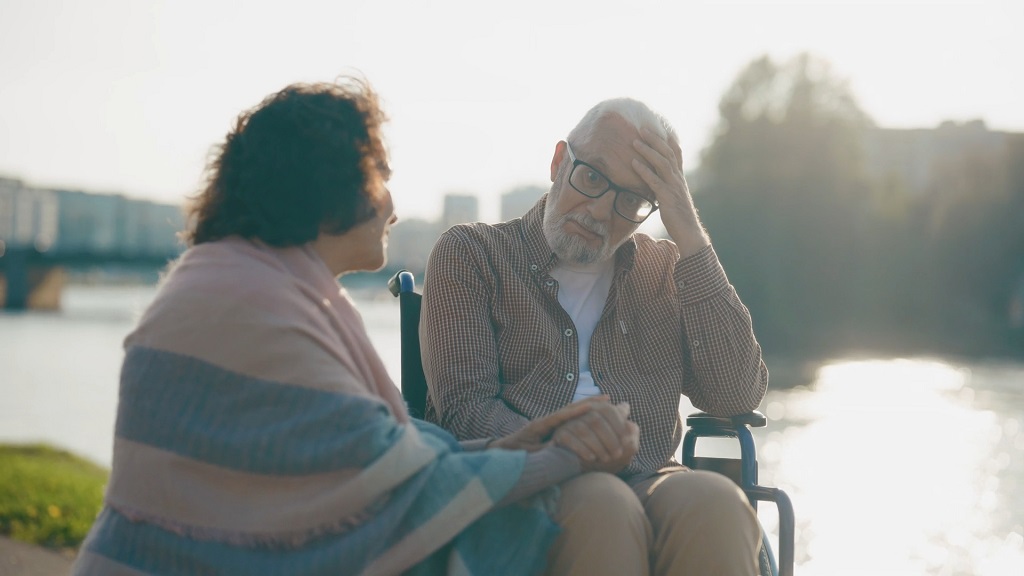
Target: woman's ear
557,158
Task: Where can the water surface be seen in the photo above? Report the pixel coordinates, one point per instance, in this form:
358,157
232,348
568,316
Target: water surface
909,466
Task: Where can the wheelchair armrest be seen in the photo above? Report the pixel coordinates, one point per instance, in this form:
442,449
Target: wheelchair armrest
743,471
703,425
702,420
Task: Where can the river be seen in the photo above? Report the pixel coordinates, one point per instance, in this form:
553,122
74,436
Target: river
896,466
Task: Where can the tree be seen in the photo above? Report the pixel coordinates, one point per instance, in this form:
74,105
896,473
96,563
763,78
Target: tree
785,198
975,230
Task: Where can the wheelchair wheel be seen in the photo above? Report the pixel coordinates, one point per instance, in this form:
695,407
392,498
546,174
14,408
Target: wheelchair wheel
765,558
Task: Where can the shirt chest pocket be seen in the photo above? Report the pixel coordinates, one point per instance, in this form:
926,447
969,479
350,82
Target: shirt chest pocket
652,344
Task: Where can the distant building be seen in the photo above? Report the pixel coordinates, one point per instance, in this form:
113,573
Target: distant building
76,222
150,228
910,160
458,209
9,191
112,223
28,216
88,222
518,201
410,243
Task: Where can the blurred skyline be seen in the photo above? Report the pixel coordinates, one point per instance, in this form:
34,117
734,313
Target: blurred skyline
128,95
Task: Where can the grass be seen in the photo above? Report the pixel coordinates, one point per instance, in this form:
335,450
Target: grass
48,497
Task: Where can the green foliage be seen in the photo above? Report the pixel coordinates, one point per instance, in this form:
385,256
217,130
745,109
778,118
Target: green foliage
833,249
783,192
47,496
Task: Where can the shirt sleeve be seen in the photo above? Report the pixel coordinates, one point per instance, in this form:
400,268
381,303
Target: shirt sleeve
475,445
458,348
725,374
543,468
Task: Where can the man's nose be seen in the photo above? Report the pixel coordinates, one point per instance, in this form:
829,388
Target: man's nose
603,208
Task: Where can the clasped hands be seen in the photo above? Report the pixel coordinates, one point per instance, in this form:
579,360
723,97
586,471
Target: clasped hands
596,430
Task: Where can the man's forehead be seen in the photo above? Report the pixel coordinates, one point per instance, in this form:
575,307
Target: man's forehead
614,127
611,151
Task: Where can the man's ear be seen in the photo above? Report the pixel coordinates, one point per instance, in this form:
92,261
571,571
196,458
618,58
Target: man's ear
557,158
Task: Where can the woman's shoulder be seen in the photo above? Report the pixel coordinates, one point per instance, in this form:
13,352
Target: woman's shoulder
230,288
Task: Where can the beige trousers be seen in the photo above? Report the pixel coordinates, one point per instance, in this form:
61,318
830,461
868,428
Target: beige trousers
675,523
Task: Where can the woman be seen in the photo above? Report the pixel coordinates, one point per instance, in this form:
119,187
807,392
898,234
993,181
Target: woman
258,431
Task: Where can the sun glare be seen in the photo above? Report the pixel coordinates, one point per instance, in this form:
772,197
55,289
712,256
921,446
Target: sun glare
889,466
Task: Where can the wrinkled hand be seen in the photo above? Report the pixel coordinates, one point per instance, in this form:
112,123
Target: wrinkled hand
603,437
537,434
662,170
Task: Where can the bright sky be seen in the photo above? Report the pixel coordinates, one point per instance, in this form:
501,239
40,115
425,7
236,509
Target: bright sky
128,95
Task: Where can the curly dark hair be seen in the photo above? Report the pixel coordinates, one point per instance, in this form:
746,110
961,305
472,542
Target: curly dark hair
308,159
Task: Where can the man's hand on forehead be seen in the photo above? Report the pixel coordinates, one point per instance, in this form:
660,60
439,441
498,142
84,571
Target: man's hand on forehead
660,165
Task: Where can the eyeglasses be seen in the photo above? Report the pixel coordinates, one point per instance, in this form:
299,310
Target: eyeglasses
589,181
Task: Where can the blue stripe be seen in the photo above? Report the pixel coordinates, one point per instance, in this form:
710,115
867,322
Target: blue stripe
196,409
504,470
510,538
498,469
156,551
201,411
515,541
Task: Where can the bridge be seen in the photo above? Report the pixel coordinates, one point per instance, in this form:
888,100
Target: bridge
26,273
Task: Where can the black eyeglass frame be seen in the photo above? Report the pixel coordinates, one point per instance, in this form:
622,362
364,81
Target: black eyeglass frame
619,190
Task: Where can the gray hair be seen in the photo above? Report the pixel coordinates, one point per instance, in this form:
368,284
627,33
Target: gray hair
636,113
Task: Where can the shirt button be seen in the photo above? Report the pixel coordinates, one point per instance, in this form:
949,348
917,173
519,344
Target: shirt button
696,343
569,376
534,267
568,331
549,283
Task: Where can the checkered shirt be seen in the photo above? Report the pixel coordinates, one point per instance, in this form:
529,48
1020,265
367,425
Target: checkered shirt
499,350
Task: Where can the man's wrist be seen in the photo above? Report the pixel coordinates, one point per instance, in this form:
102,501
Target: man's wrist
477,444
692,242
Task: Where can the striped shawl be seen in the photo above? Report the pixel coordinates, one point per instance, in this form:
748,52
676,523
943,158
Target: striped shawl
259,433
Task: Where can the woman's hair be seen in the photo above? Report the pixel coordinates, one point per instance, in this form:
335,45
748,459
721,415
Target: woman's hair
308,159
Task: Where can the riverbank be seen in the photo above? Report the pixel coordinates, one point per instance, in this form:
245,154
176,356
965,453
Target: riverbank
49,498
22,559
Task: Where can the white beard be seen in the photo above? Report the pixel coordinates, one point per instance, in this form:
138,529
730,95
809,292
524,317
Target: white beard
570,247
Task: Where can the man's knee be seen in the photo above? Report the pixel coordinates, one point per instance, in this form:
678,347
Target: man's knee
702,524
598,497
703,498
604,529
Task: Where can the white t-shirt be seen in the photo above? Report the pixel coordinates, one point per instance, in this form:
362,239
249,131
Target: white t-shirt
582,292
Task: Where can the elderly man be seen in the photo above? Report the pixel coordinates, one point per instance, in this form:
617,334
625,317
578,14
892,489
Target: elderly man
569,301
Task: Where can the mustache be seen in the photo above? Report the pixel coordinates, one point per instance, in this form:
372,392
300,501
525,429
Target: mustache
588,222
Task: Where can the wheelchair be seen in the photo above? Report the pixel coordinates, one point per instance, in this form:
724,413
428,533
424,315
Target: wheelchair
743,471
